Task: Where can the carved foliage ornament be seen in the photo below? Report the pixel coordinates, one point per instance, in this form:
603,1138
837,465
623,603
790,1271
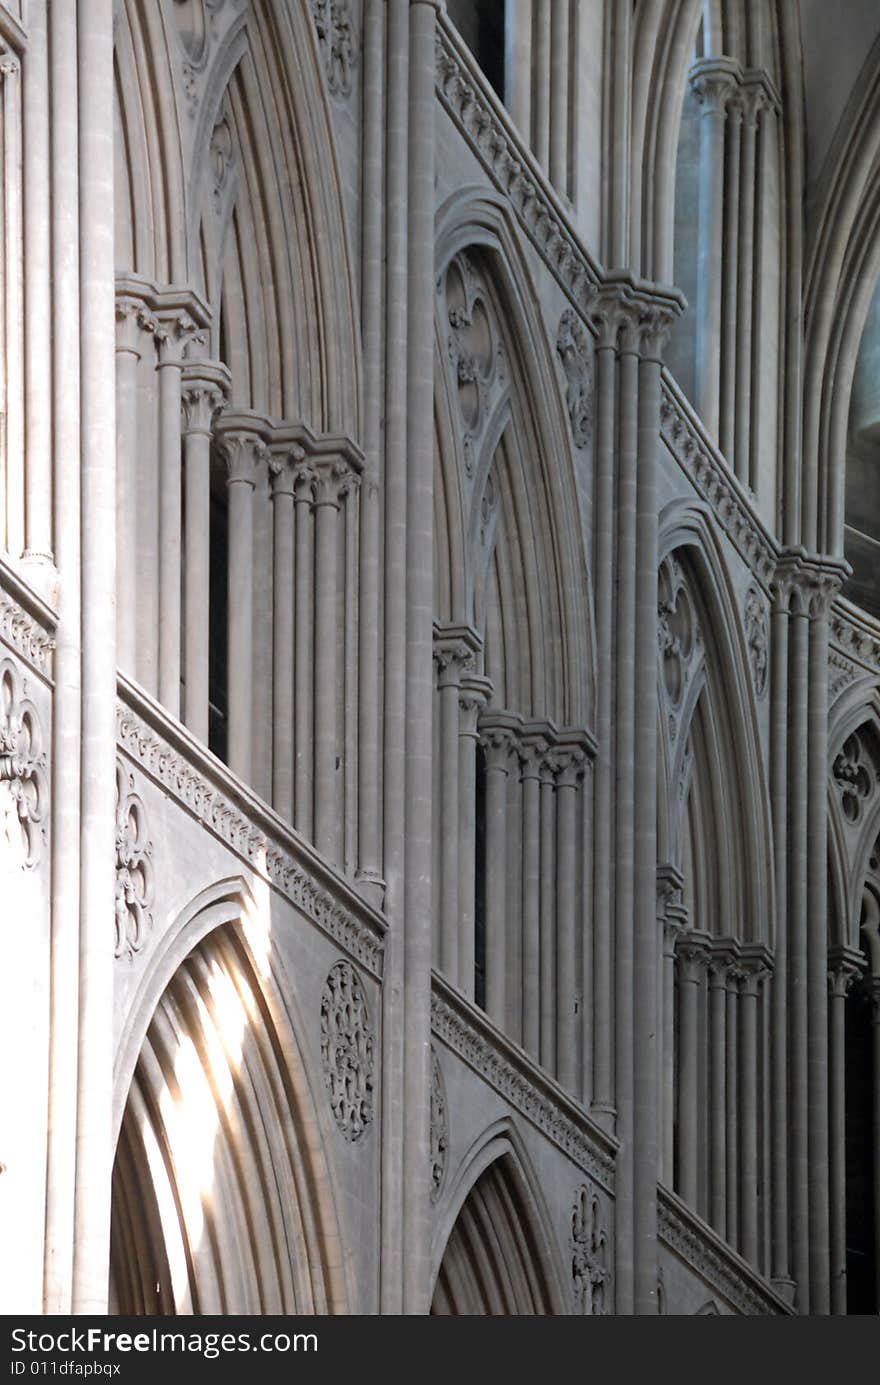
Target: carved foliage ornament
439,1127
134,868
23,777
589,1253
334,24
756,638
347,1050
574,349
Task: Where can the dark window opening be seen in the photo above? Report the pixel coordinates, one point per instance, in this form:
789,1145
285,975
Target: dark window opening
480,880
481,25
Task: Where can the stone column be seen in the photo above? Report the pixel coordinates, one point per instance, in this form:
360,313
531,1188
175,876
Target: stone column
721,960
473,696
606,319
13,336
779,712
497,738
37,286
753,99
174,329
824,582
541,83
453,657
94,1153
204,388
519,70
334,478
133,323
303,749
798,1156
732,1086
547,941
755,965
844,965
731,268
285,457
568,763
243,449
560,58
692,952
672,920
713,81
532,751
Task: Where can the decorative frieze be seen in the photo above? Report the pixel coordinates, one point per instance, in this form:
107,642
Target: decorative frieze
713,1261
589,1254
857,636
347,1050
24,793
709,475
511,166
574,348
439,1127
523,1086
217,812
21,632
134,867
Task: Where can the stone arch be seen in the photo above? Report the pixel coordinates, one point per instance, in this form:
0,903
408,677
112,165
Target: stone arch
222,1196
263,78
841,273
523,446
494,1250
720,706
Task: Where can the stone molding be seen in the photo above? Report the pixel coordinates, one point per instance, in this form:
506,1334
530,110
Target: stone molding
211,794
27,624
681,1231
710,476
856,636
469,1033
439,1127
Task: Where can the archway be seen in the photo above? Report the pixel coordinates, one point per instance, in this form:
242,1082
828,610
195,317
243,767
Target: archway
221,1198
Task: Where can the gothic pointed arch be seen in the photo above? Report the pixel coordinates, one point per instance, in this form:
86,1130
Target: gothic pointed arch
493,1247
507,514
222,1196
222,126
712,672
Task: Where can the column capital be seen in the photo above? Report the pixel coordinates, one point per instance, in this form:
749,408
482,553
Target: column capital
175,331
805,584
134,321
499,735
714,81
334,478
241,439
845,965
724,957
204,389
759,94
473,696
754,964
635,315
693,950
455,654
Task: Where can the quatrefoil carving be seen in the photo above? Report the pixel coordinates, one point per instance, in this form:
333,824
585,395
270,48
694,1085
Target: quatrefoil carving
678,629
854,778
473,350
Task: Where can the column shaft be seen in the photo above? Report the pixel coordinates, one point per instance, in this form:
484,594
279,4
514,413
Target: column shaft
302,702
326,511
497,754
548,922
743,464
170,366
531,895
566,960
718,1095
282,638
798,1161
37,266
729,304
778,1028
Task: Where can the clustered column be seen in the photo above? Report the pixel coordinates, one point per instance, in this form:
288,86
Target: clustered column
455,650
845,965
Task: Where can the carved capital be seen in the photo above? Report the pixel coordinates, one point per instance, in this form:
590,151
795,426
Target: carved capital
174,332
724,955
755,963
714,81
334,479
845,964
204,388
499,735
693,951
453,658
473,696
283,463
533,749
133,322
636,314
243,447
